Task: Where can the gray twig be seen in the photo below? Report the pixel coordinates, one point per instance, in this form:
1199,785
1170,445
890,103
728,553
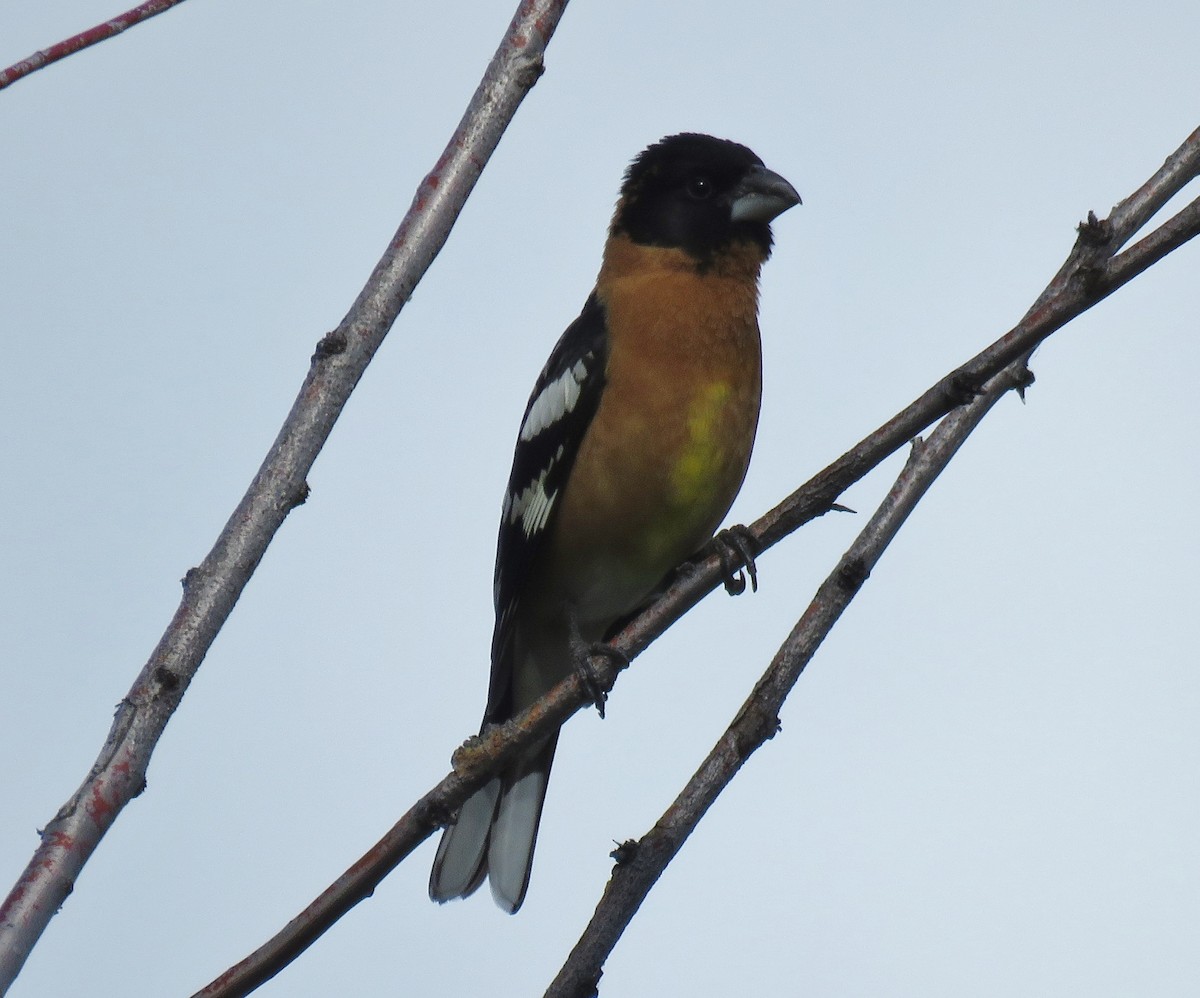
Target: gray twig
211,590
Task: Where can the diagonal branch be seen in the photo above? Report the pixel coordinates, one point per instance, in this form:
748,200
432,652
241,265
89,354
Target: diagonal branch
211,590
69,46
1088,276
641,863
1136,210
1091,273
1169,236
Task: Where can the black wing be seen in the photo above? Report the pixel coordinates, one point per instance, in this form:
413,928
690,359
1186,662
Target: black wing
561,408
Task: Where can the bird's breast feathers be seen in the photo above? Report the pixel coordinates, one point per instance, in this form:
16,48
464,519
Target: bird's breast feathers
670,443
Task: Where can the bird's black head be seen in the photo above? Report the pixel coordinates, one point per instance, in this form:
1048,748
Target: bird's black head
700,194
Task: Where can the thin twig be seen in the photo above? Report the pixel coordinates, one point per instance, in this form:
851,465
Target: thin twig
1148,251
212,589
483,756
69,46
1128,217
1089,275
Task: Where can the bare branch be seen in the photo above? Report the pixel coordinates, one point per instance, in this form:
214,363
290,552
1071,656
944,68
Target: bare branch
85,39
1146,252
1180,168
212,589
641,863
1074,290
1090,274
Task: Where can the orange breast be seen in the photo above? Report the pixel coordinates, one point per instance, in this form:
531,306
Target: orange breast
669,446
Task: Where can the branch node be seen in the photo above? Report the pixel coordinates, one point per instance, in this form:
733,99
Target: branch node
300,497
751,729
1022,378
1092,276
852,574
330,345
961,389
529,74
190,578
167,679
440,816
1094,231
466,756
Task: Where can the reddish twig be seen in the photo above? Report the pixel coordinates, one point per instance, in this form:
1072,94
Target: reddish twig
85,39
212,589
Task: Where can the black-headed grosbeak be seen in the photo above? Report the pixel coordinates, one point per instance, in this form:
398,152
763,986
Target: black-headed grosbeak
632,448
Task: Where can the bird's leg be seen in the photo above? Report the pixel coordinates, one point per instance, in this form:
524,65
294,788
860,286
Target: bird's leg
736,547
582,651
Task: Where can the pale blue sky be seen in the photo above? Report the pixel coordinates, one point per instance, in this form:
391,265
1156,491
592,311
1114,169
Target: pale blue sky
985,784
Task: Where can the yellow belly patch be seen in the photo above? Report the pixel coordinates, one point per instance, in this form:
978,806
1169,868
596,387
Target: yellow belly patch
699,470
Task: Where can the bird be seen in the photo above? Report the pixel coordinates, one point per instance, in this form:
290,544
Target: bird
633,445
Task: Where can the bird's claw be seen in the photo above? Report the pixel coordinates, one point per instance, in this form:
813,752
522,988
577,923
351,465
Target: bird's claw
587,675
736,547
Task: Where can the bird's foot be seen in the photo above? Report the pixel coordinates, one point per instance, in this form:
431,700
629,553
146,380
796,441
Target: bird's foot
587,674
736,547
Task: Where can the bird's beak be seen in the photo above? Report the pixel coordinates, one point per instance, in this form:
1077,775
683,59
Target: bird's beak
762,196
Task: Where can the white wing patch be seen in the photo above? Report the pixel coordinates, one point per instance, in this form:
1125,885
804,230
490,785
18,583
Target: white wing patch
532,507
555,401
533,504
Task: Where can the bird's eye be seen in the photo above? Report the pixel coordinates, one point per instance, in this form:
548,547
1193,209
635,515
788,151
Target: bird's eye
699,187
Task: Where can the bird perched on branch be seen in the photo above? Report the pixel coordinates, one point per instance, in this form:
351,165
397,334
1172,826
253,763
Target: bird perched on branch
633,446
